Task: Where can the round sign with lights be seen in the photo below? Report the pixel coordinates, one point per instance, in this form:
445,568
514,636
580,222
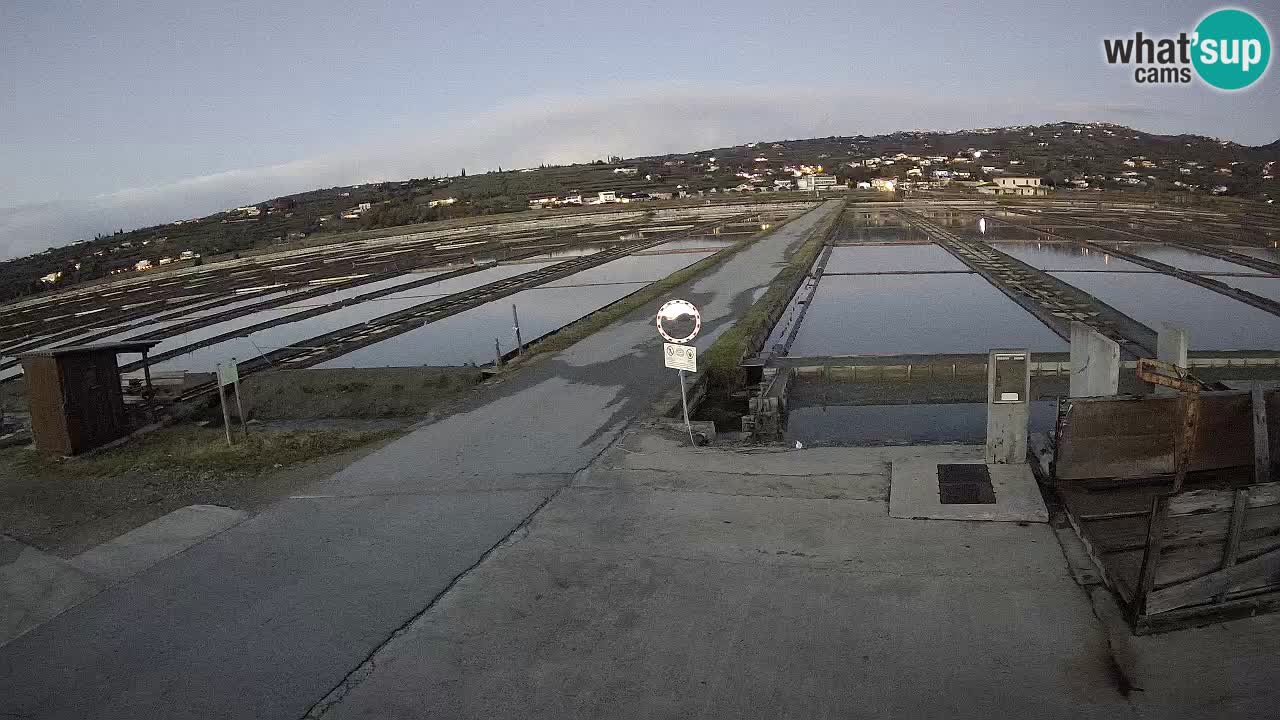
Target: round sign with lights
679,321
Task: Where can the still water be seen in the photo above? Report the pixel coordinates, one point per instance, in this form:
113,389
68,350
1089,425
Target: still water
1214,321
901,424
896,314
891,258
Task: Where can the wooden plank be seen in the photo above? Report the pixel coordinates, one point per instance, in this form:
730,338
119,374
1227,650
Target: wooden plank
1247,606
1264,569
1150,557
1129,533
1195,502
1124,437
1235,529
1232,544
1189,562
1180,564
1261,439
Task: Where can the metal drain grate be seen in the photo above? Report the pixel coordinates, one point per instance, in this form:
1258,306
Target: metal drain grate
965,484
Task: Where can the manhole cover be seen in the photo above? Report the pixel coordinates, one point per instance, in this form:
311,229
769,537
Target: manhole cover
965,484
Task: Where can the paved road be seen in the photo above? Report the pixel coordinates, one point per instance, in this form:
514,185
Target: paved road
267,618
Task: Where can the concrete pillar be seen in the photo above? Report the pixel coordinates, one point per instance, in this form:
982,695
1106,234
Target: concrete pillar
1095,362
1008,406
1171,347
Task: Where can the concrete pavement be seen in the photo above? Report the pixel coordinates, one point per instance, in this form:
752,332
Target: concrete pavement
268,617
671,582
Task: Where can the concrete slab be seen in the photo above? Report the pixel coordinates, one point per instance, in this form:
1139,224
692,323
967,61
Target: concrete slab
35,587
670,604
313,583
142,547
913,492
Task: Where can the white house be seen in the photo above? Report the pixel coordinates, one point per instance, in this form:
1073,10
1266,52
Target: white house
816,182
1019,185
607,196
625,171
884,184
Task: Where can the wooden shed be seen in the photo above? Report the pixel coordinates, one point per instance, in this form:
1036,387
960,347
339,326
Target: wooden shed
75,395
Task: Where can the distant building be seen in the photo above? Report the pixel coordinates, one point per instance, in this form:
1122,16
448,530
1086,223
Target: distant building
625,171
884,184
815,182
142,265
864,185
1019,185
52,277
606,196
783,185
575,199
445,201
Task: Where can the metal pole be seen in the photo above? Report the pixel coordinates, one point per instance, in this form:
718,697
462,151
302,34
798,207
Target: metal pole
684,400
244,425
515,324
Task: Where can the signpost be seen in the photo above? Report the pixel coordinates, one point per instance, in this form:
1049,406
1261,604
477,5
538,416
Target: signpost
678,323
229,374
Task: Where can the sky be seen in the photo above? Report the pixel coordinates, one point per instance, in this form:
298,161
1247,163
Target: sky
125,114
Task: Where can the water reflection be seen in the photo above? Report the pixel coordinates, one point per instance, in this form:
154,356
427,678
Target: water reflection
895,314
901,424
1215,321
891,258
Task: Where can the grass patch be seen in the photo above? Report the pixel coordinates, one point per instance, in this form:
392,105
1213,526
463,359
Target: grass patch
188,450
721,362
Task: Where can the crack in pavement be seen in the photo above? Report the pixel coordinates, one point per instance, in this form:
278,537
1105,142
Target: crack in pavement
368,666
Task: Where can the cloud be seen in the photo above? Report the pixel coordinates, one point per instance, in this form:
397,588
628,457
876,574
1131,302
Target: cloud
525,132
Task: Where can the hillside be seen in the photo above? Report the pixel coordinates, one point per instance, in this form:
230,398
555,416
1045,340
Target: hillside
1085,156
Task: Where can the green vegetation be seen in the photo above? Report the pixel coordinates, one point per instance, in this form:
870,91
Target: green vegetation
721,362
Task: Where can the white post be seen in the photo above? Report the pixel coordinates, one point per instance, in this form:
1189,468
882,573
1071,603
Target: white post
684,400
1095,362
1171,347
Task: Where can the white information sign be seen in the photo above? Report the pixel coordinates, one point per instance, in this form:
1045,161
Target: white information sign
680,357
228,374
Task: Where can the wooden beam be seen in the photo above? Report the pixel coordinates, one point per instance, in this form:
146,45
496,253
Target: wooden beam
1261,438
1200,590
1150,557
1199,502
1231,548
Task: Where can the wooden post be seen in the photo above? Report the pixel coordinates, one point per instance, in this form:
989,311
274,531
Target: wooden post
226,412
244,423
497,353
1185,440
1261,438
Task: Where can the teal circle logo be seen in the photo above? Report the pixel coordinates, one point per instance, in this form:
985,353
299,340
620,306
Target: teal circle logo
1232,49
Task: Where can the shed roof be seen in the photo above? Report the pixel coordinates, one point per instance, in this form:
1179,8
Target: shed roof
128,346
